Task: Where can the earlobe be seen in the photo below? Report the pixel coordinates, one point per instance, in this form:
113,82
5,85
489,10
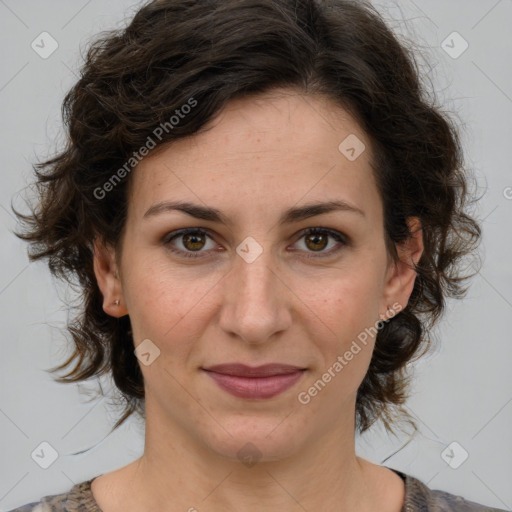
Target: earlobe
402,275
107,277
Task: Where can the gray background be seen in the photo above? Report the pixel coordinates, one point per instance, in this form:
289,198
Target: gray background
462,392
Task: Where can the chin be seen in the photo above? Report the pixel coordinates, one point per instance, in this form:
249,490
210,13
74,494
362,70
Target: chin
256,440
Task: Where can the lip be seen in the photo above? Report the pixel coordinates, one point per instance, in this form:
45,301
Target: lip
258,382
242,370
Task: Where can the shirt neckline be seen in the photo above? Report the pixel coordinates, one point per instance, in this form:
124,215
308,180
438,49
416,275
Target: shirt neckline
82,497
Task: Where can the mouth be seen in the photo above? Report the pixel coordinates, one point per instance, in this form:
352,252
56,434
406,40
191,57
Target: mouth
258,382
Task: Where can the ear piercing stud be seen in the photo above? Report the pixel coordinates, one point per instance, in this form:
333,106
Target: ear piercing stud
117,302
388,314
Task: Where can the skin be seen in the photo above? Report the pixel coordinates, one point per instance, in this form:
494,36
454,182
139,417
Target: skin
261,156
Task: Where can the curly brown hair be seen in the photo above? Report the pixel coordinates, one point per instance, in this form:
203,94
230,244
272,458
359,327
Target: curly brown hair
136,78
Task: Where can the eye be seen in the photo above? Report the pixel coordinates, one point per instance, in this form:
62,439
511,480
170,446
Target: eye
193,240
317,239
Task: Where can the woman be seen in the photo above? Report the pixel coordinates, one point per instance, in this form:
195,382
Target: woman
266,217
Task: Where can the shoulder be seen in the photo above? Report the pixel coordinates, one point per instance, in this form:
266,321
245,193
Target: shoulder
420,498
78,499
451,502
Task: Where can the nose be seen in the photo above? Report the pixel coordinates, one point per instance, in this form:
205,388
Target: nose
256,300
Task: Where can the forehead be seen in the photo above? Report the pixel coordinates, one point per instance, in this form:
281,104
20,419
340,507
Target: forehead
273,149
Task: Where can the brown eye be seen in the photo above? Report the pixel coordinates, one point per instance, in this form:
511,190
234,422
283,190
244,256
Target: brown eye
189,243
193,241
317,239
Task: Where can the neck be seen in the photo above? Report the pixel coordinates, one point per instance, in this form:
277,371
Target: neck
176,472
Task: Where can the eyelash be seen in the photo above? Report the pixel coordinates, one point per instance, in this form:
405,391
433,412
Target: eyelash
339,237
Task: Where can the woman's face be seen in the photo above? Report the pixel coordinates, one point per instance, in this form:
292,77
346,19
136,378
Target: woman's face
247,285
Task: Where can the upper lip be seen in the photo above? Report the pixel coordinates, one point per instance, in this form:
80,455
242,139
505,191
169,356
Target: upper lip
242,370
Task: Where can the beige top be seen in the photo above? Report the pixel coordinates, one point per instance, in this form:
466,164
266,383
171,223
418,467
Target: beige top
418,498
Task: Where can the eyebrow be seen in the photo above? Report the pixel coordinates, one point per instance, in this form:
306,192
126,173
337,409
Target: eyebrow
291,215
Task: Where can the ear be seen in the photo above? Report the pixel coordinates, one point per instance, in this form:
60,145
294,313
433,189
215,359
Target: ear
401,274
107,276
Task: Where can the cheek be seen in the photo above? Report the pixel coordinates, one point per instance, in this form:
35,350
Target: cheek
165,303
349,306
349,302
350,310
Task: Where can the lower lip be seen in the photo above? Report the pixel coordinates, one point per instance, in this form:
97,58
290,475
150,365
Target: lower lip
256,387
